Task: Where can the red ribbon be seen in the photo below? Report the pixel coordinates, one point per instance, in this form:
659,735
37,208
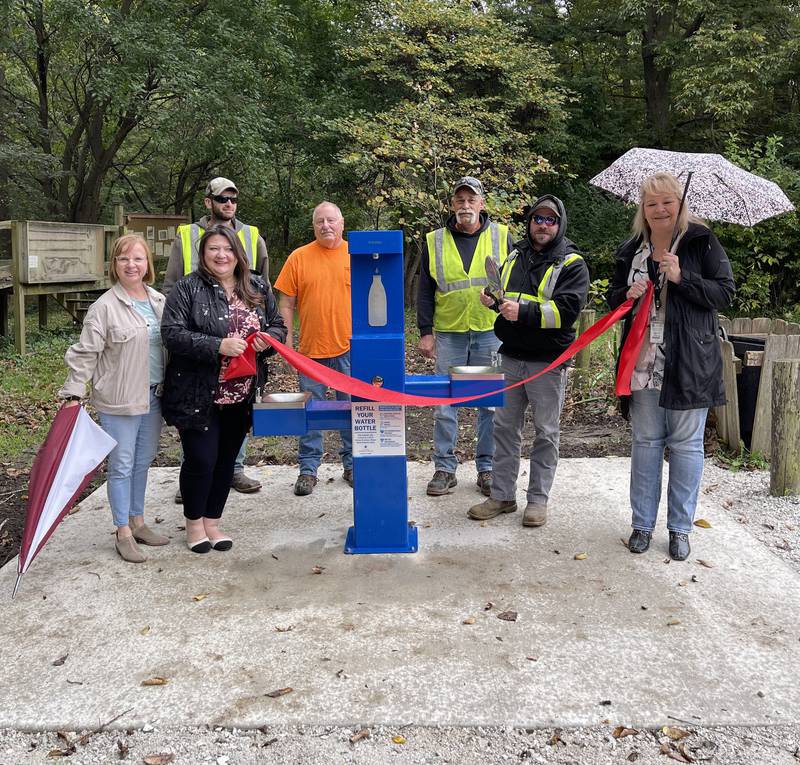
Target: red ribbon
341,382
633,343
245,364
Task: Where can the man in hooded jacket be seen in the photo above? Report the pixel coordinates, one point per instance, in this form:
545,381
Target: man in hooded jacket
545,282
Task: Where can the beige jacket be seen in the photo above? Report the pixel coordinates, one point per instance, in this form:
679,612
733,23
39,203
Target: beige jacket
113,353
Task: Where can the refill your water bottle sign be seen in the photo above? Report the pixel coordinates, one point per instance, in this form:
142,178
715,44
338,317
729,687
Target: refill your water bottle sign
379,430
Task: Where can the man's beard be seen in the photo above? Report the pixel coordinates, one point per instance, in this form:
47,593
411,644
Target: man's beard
466,216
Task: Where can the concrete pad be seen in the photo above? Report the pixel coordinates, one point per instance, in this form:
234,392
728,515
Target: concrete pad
381,639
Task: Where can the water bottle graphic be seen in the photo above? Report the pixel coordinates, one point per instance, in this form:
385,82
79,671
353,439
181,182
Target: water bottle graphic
376,302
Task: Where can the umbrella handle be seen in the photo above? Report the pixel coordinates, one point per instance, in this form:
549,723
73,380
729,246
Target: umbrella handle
680,210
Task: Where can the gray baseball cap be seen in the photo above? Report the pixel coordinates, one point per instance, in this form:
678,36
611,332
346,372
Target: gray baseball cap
471,183
218,185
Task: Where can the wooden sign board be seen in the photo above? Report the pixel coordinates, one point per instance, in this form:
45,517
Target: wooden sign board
60,252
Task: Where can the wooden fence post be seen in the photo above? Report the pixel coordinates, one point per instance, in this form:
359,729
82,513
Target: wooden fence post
784,469
585,321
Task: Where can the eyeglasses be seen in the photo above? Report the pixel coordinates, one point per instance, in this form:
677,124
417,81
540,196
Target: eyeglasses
136,261
548,220
223,198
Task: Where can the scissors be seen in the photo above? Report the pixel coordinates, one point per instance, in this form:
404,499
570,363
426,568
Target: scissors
493,289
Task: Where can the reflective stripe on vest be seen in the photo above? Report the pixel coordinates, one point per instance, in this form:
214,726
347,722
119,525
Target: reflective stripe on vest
457,303
190,242
551,317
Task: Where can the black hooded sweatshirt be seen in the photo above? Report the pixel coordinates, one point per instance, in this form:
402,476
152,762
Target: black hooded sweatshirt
525,339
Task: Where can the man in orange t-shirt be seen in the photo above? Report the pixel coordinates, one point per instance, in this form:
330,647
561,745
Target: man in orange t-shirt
316,281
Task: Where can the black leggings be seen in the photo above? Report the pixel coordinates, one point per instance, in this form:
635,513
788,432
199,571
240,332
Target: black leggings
208,460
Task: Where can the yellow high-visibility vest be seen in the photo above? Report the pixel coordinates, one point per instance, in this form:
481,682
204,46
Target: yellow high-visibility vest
190,238
457,303
551,318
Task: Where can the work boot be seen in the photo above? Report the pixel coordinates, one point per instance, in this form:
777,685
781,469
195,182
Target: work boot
441,483
347,475
304,484
178,497
489,508
679,545
639,541
244,484
535,515
485,482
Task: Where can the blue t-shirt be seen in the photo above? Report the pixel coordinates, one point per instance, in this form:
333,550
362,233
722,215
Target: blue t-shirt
154,331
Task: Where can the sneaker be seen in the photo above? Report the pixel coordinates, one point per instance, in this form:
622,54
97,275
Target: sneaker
244,484
535,515
489,508
304,484
347,475
639,541
441,483
178,498
679,548
485,482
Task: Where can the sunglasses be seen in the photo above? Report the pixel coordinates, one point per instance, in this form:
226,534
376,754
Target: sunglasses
223,198
548,220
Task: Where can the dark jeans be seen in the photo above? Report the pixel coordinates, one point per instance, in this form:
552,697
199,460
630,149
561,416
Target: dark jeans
208,459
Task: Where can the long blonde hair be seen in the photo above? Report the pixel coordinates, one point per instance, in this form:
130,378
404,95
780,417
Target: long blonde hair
661,183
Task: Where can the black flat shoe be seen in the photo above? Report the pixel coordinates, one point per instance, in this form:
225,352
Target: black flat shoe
639,541
679,548
200,546
222,545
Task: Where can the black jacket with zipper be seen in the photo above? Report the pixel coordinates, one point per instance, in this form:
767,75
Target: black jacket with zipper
692,355
525,339
194,324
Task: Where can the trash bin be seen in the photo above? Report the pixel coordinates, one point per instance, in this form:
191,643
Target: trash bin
747,383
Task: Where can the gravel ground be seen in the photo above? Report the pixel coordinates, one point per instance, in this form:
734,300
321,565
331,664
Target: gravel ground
745,495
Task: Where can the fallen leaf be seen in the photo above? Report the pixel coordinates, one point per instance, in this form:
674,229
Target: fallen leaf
694,578
682,748
676,734
605,703
581,556
532,658
285,629
275,556
469,620
122,749
556,739
59,662
489,606
363,733
155,681
484,524
341,675
279,692
621,732
702,523
508,616
201,596
59,753
633,756
317,569
673,622
144,630
399,739
682,584
157,519
705,563
270,742
162,758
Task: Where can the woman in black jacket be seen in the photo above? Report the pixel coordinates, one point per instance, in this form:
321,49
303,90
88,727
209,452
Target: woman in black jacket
208,315
678,374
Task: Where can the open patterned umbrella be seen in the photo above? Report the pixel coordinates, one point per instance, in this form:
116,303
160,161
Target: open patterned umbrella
719,190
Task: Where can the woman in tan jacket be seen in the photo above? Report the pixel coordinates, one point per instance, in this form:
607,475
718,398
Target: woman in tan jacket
120,353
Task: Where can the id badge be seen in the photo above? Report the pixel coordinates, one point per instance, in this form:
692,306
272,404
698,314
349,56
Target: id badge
657,332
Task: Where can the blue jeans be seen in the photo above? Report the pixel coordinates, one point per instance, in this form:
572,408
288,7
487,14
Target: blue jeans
653,429
310,451
460,349
137,438
238,466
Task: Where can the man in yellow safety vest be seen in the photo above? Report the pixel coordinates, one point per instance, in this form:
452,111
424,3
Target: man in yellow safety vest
221,200
455,328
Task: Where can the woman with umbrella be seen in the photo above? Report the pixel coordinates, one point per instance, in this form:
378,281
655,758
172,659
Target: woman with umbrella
120,353
678,373
211,317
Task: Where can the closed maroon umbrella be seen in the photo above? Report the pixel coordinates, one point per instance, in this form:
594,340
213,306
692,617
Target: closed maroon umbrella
70,455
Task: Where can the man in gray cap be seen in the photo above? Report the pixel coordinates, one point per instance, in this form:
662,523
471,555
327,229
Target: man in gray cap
545,283
452,276
221,200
